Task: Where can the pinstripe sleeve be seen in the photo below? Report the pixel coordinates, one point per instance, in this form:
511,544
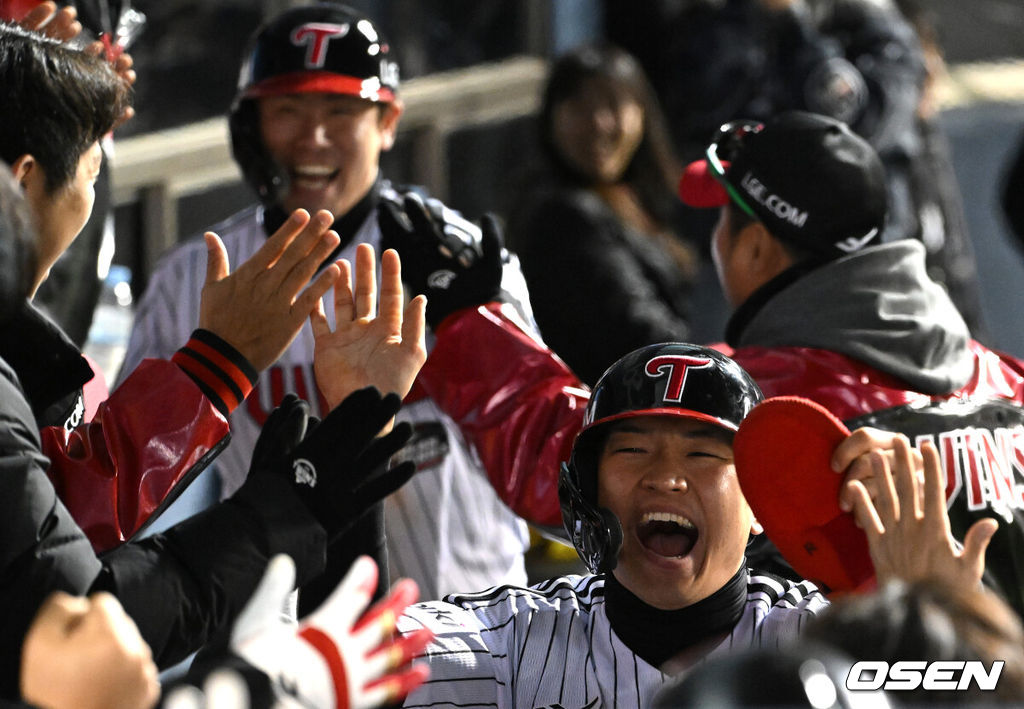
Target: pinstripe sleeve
464,669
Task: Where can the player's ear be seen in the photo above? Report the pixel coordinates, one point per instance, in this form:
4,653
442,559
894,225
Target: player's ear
389,117
763,255
756,528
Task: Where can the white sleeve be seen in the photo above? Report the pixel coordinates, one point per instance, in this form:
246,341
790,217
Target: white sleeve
466,669
169,309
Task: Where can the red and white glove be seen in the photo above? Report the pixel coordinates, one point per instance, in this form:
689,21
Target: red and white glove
338,657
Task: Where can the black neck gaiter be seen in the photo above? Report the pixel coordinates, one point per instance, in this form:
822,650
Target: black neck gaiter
656,635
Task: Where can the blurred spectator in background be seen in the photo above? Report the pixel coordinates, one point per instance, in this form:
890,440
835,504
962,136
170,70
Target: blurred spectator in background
859,61
599,209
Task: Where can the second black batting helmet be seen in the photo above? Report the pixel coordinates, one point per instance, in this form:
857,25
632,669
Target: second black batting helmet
325,47
670,379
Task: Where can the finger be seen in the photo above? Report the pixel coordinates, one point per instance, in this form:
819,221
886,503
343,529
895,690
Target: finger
934,497
318,320
366,282
272,248
310,297
976,542
392,295
299,249
267,602
905,481
865,513
886,502
344,302
860,442
38,16
491,241
393,687
384,482
301,271
348,600
378,623
419,217
217,266
414,325
397,653
862,470
65,25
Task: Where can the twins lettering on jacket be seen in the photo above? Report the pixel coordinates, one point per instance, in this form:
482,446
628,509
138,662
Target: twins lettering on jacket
986,467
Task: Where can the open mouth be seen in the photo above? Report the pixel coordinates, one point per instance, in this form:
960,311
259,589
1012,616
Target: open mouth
313,177
666,534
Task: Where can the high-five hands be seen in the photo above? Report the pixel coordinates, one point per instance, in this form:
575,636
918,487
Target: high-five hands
262,305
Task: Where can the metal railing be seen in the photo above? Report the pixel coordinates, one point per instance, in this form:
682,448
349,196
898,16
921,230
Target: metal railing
156,170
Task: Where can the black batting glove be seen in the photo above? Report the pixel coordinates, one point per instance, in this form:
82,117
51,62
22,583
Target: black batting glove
452,261
337,467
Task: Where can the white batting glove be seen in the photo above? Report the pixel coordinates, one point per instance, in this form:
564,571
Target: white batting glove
339,657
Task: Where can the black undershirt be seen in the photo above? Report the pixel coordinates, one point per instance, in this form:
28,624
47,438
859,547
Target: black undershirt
656,635
346,225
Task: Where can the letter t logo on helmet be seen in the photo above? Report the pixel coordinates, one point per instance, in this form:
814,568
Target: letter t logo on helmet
315,36
677,367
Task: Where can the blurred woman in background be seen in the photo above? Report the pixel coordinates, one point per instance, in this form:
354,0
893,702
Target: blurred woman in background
594,227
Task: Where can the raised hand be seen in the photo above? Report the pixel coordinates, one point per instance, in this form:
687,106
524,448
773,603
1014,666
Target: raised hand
366,349
260,308
339,467
907,524
61,25
455,263
342,655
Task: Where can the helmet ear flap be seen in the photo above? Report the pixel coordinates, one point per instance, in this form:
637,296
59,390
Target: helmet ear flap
594,531
264,174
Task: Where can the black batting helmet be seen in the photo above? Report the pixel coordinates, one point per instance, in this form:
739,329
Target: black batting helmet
670,379
320,48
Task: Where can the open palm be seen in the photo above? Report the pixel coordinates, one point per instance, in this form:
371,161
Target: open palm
384,350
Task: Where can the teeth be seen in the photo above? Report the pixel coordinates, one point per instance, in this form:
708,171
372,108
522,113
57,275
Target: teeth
314,171
667,517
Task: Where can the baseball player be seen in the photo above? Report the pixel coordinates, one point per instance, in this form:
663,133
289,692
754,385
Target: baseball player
317,104
652,503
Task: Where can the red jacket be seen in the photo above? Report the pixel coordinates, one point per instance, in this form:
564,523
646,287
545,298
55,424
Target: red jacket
516,401
147,441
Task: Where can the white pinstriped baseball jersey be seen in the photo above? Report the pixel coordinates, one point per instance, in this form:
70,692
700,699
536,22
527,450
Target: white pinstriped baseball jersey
552,645
446,528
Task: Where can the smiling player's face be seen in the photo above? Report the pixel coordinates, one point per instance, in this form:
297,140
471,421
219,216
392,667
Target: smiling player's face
672,484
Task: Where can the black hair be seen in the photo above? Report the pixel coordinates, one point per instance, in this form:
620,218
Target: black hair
17,245
653,172
58,102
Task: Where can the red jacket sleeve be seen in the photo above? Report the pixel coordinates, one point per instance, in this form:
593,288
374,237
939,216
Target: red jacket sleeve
148,440
512,397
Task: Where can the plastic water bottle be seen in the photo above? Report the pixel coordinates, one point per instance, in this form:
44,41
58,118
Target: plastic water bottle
107,341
